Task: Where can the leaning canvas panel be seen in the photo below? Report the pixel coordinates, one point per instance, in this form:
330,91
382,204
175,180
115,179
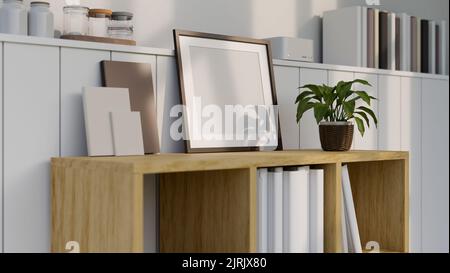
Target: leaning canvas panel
127,133
262,210
138,78
98,103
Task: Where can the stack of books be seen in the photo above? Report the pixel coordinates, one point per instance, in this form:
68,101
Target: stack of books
369,37
290,210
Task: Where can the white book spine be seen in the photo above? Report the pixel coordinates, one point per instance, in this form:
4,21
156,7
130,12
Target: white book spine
276,211
296,211
443,48
364,36
419,45
432,48
316,209
405,42
343,225
339,27
262,210
350,212
377,38
391,41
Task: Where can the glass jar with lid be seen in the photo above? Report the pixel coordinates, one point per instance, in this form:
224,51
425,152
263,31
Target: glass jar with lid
99,20
76,20
40,20
13,17
121,25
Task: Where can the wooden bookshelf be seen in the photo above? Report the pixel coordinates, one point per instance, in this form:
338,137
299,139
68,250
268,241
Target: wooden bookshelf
208,201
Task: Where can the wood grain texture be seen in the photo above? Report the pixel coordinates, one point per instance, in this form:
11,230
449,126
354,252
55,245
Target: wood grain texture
332,207
102,209
208,211
96,39
208,201
169,163
381,196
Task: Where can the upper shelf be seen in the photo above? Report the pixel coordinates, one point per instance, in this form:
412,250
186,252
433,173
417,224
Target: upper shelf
169,52
168,163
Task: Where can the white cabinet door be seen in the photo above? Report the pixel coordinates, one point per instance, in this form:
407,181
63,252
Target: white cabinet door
389,93
168,96
370,139
31,138
309,131
411,142
79,68
287,81
1,148
137,58
336,76
435,162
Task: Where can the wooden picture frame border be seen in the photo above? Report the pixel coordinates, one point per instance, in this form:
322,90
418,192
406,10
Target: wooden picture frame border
177,33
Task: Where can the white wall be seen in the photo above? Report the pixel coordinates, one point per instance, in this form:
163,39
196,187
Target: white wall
155,19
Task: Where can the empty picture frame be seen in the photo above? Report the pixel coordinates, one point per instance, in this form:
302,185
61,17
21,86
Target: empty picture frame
98,102
137,77
222,71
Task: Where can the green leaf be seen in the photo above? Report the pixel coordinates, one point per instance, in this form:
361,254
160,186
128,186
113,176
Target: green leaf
320,111
303,95
313,88
349,108
364,96
302,107
371,113
343,89
365,117
363,82
360,124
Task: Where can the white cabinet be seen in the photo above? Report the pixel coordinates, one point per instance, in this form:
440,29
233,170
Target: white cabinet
287,81
435,162
1,148
411,142
137,58
309,131
336,76
389,132
31,138
168,96
370,139
79,68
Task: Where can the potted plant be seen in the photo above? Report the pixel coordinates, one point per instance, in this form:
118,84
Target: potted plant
335,107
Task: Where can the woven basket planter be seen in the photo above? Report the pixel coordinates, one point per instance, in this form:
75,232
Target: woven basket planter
336,136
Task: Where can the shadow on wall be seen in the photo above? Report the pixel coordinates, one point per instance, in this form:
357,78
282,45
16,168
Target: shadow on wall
155,19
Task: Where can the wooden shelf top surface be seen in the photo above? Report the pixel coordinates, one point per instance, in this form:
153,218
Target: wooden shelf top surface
170,163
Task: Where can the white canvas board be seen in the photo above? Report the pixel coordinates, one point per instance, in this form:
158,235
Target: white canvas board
127,133
98,103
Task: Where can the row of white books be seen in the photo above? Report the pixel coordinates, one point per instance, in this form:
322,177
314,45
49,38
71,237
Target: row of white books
291,211
369,37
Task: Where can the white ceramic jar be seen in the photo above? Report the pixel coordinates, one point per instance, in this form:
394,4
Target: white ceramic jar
76,20
13,17
40,20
